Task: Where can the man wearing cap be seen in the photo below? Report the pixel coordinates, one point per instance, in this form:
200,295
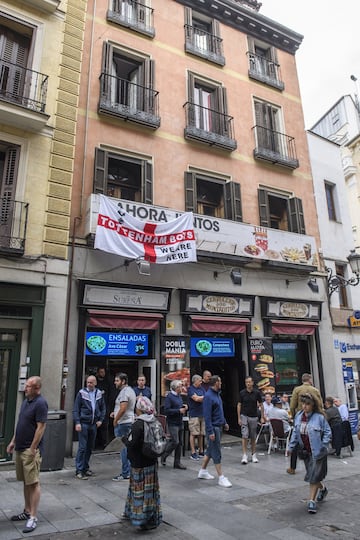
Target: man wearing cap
278,413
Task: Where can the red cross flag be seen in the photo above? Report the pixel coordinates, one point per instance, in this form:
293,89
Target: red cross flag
162,243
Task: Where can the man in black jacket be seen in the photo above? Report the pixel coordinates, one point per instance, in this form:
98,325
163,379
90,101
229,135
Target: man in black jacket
89,413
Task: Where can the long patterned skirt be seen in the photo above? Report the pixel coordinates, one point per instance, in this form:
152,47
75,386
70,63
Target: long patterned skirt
142,505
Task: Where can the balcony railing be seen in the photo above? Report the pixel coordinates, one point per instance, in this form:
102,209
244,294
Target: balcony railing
23,86
13,223
209,126
265,71
275,147
204,44
130,101
133,15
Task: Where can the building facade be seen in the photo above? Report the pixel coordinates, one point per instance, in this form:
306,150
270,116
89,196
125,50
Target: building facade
189,106
40,56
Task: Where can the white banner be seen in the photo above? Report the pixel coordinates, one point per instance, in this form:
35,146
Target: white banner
162,243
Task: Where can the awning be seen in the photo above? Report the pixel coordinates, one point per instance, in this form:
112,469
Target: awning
226,325
129,320
296,328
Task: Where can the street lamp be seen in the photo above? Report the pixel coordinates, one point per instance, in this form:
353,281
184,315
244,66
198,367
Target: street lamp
336,282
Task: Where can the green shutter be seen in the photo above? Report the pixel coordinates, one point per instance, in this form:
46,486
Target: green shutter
233,208
296,216
190,192
264,211
147,183
100,176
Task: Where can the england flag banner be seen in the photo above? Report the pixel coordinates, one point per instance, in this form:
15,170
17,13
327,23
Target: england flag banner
163,243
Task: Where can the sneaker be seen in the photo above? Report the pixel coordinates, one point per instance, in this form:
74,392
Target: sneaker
290,471
30,525
205,475
194,457
244,459
120,477
254,459
322,494
89,473
224,482
312,507
201,454
23,516
81,476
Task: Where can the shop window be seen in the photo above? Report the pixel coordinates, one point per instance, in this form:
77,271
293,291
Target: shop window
330,192
123,177
279,211
340,270
212,196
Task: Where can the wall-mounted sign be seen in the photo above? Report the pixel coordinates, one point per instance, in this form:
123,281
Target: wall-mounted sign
354,320
212,347
262,363
285,309
175,362
121,297
220,304
111,344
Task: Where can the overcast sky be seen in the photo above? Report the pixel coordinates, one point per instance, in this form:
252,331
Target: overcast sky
329,53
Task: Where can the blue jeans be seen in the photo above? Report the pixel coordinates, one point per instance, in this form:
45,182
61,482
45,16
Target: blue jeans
87,437
120,430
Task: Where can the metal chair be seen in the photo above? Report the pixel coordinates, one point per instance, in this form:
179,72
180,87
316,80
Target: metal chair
277,433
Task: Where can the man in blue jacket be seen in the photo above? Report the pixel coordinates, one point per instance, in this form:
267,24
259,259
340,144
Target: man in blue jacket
214,423
89,413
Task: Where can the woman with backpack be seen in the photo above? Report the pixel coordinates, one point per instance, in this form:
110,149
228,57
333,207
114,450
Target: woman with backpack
142,505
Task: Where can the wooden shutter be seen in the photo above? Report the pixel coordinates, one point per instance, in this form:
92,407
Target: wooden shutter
264,211
188,16
251,44
14,51
147,183
100,172
7,191
190,192
233,208
296,216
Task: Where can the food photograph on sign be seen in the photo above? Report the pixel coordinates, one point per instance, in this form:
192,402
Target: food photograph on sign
262,364
175,363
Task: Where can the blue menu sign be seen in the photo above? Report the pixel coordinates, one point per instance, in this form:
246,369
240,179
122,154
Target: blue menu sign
212,347
108,344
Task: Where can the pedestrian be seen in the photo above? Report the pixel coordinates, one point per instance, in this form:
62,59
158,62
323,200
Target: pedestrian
196,396
174,410
333,417
142,505
343,410
250,401
123,417
285,402
103,384
141,389
296,405
311,435
88,413
206,380
28,444
214,422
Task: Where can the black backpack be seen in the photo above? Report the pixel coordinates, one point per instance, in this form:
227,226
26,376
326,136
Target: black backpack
155,440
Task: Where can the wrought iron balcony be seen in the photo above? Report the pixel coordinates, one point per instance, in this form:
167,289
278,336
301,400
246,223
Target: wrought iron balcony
265,71
130,101
209,126
275,147
134,15
203,44
13,223
23,86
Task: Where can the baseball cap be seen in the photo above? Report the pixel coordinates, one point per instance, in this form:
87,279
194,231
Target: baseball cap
276,400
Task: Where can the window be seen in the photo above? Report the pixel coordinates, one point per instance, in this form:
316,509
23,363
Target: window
271,143
340,270
330,200
281,211
202,36
123,177
135,15
263,63
207,118
211,196
127,86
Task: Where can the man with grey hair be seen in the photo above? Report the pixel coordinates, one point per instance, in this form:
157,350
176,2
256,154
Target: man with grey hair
174,410
196,417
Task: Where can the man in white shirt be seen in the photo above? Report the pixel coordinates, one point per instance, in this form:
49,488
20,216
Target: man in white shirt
343,410
123,417
277,412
